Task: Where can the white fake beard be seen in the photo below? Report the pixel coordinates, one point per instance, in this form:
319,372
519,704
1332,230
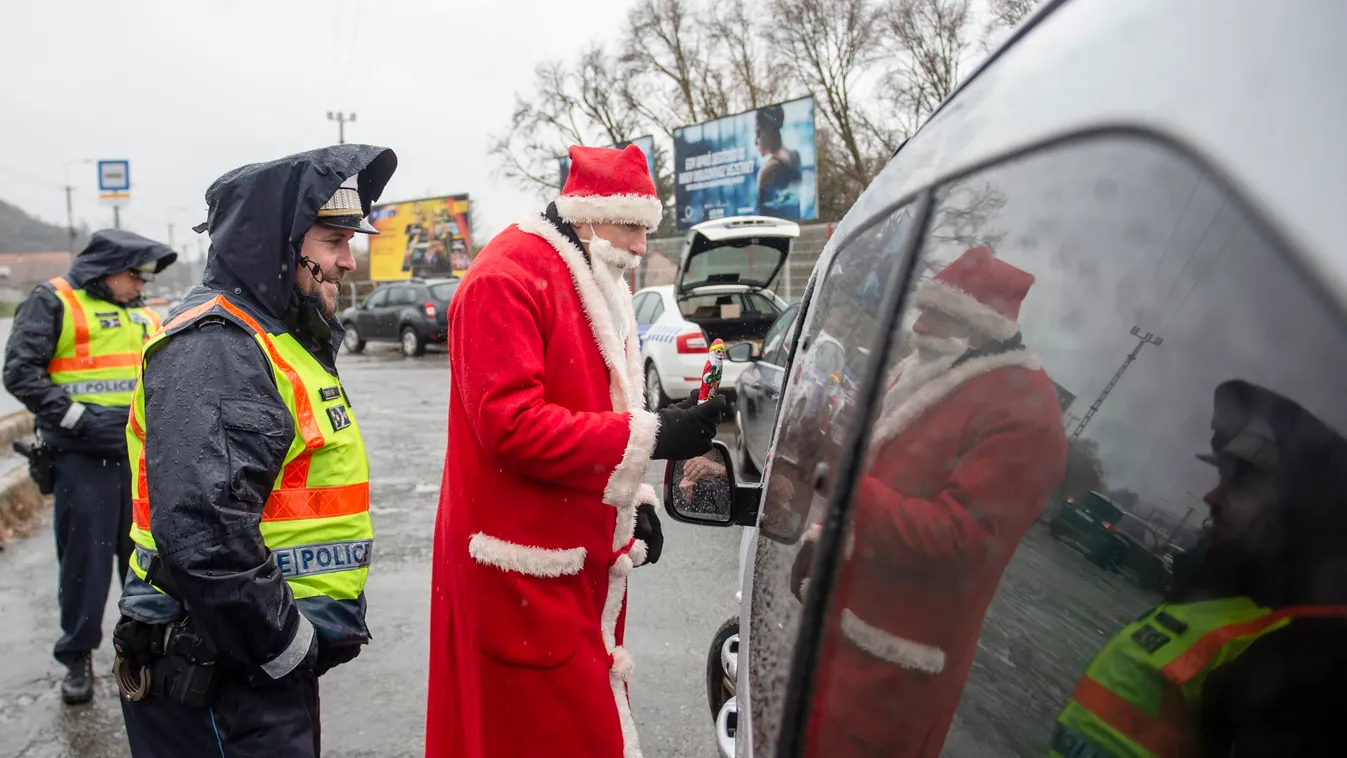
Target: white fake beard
610,266
931,348
933,357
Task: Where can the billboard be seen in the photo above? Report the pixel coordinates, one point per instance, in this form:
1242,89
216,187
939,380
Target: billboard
759,162
646,143
427,237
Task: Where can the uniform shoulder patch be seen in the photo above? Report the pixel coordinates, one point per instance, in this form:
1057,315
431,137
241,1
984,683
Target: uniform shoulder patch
339,417
112,320
1149,638
329,393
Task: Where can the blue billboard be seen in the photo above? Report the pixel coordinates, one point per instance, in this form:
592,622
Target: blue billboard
647,145
761,162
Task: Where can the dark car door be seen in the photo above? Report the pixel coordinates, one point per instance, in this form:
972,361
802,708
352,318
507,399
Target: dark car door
400,298
761,387
367,318
921,609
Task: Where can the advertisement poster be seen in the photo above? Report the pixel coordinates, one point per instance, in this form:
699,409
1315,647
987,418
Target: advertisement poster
420,238
647,145
761,162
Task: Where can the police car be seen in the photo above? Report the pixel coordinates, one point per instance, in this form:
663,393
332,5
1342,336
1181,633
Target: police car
720,292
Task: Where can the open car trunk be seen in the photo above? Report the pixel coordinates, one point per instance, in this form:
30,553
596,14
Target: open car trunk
732,314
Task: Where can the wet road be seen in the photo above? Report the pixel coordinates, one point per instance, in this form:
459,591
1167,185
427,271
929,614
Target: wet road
375,705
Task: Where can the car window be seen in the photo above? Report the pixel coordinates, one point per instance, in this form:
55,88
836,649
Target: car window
714,306
657,310
1101,508
642,307
378,299
402,296
756,303
774,345
444,291
1119,269
837,332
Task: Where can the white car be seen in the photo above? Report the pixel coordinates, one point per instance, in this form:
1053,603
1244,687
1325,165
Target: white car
720,293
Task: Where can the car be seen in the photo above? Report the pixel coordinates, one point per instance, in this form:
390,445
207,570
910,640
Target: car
1091,521
721,291
411,313
1144,557
1154,180
758,390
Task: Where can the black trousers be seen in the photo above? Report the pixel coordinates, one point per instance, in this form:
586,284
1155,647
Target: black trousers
276,719
93,534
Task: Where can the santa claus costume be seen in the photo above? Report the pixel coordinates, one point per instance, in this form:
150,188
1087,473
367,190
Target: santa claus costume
968,447
548,442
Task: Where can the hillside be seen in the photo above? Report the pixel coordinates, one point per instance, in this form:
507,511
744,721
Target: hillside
22,233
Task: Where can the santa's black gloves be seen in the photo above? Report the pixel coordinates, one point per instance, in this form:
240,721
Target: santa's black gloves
690,402
687,432
648,531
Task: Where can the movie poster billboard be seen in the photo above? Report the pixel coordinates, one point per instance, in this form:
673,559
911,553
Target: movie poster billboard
424,238
647,145
761,162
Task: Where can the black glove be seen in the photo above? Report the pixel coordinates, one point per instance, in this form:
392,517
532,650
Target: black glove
690,402
687,432
648,531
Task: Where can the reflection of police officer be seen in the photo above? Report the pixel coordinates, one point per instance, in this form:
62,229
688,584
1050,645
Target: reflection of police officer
71,359
1246,655
251,510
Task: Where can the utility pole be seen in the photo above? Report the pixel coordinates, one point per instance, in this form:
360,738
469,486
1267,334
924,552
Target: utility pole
341,119
69,218
1147,339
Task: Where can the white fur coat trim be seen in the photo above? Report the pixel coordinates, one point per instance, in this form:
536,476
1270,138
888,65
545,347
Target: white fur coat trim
894,421
952,301
638,210
541,562
891,648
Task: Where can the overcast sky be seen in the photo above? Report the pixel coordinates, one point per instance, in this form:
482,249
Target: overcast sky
189,90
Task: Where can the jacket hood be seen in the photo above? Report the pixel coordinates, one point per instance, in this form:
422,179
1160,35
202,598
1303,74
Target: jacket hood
113,250
258,215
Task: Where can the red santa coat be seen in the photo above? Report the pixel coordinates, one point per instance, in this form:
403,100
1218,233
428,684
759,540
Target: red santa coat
548,443
959,471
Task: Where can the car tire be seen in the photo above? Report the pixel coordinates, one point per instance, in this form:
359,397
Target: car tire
353,342
717,692
412,343
655,399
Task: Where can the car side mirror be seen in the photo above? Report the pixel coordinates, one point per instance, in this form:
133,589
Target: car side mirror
741,353
704,491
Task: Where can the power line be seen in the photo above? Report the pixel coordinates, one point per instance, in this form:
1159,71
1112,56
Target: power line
1198,246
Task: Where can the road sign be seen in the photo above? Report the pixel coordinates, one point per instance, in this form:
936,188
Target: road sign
114,183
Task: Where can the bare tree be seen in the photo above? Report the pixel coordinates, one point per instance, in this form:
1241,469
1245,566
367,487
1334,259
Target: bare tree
928,41
575,104
740,46
1008,13
666,71
828,45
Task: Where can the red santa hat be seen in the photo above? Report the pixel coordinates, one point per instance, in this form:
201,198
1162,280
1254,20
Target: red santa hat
979,290
609,186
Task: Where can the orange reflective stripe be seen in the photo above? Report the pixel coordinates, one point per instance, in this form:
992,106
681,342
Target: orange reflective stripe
316,502
192,313
296,474
1193,660
1164,735
291,505
92,362
67,295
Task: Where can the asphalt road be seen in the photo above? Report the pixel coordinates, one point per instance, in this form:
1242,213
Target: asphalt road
375,706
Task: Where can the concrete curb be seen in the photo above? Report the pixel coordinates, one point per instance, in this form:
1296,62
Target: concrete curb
20,502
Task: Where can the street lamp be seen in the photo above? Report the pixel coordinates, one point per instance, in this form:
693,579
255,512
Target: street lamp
69,212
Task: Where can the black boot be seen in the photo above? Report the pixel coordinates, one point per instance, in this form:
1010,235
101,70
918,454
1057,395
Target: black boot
78,686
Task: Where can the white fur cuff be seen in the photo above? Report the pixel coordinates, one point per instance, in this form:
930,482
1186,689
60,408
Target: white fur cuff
638,210
891,648
524,559
623,665
625,482
638,553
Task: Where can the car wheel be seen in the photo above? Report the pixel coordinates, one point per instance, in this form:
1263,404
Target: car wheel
413,344
718,688
353,342
655,398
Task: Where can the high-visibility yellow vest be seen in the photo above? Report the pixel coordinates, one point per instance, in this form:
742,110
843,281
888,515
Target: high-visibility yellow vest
316,520
1138,695
98,352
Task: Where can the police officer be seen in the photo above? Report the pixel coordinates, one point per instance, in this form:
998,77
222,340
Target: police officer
1245,657
71,359
251,484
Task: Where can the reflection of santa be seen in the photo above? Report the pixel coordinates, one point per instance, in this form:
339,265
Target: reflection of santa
968,446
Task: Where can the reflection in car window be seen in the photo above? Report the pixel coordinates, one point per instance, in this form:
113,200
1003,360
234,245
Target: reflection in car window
839,327
1089,318
774,345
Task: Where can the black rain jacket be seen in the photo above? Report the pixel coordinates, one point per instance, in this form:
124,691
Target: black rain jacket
217,429
101,430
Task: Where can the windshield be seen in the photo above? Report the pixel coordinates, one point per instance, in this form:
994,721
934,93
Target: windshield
1101,508
751,260
443,291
